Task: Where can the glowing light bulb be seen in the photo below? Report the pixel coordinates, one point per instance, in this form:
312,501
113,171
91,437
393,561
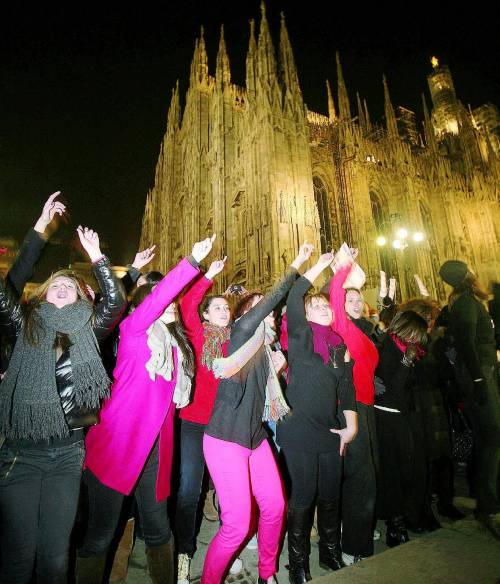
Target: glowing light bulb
397,244
381,240
418,236
402,233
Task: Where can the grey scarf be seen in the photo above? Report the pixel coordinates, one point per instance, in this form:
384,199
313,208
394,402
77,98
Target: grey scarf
30,406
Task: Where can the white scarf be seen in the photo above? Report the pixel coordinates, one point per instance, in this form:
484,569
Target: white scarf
161,362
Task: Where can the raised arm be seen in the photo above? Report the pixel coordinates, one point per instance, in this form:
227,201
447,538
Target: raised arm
337,299
165,292
33,244
113,303
249,322
142,258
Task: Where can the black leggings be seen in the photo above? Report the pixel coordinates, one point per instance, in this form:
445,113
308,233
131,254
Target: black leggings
105,506
311,474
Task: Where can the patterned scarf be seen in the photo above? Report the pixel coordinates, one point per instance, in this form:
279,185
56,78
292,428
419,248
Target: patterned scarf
215,338
275,406
30,405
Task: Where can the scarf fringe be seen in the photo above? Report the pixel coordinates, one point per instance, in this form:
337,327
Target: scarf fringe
276,409
36,421
92,383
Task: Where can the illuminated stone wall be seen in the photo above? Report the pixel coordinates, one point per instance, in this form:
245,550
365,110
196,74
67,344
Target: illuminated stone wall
255,166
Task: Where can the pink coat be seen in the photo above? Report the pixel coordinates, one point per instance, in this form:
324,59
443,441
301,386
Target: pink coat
139,409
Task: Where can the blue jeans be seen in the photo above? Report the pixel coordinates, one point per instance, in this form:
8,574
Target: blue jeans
39,490
192,468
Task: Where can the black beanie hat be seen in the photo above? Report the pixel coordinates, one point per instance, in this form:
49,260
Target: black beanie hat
453,272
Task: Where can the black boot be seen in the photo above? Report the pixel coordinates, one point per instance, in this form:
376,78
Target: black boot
299,532
161,563
90,570
330,552
396,532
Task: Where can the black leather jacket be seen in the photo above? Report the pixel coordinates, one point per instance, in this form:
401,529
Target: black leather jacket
107,314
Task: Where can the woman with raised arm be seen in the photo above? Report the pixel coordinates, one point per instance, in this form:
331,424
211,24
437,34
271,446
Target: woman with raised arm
235,444
130,450
50,393
320,391
209,338
359,484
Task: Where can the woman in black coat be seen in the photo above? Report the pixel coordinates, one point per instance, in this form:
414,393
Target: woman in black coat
50,393
313,437
476,367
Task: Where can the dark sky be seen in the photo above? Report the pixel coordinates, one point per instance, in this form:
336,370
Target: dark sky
84,94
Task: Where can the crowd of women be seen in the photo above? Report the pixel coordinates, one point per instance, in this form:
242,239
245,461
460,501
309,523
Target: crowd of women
304,407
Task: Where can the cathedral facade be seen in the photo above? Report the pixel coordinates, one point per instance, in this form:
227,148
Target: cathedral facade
254,165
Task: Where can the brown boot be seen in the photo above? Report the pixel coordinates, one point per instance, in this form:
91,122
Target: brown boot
90,570
122,555
161,563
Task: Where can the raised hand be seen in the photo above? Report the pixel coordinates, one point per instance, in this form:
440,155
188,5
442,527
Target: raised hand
50,209
325,260
142,258
215,268
90,242
202,248
304,254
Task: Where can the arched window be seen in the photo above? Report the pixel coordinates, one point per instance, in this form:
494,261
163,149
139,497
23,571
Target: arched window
325,229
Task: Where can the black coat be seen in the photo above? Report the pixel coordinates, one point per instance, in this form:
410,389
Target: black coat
107,314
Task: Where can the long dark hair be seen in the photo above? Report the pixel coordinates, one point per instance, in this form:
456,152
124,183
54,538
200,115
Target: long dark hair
470,284
409,327
245,303
176,329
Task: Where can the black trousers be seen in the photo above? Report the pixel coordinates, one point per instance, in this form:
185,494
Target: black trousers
192,468
105,505
313,474
359,487
39,490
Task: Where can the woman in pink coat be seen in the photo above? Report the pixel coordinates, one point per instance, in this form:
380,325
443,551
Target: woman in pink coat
130,450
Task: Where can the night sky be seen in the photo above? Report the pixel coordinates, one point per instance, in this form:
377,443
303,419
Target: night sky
84,95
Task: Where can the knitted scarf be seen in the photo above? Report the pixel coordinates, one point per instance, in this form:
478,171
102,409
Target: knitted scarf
275,406
161,362
30,405
215,338
323,338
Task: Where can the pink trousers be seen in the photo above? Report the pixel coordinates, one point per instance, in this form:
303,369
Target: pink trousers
238,473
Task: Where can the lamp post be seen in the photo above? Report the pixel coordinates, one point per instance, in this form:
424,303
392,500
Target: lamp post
402,240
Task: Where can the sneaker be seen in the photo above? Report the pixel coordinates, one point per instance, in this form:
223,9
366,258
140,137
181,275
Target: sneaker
252,544
183,565
350,560
376,534
236,568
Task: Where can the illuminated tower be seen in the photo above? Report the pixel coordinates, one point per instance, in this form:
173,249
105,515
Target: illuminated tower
445,113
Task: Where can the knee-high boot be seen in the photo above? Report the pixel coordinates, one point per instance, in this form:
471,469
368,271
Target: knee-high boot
299,531
122,556
330,552
90,570
161,563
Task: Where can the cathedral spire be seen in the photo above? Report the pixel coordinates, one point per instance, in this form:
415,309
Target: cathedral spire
344,106
199,64
223,69
332,114
390,117
251,58
266,63
287,62
367,117
430,138
174,111
361,113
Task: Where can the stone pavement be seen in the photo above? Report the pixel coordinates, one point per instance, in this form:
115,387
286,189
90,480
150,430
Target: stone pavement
461,552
